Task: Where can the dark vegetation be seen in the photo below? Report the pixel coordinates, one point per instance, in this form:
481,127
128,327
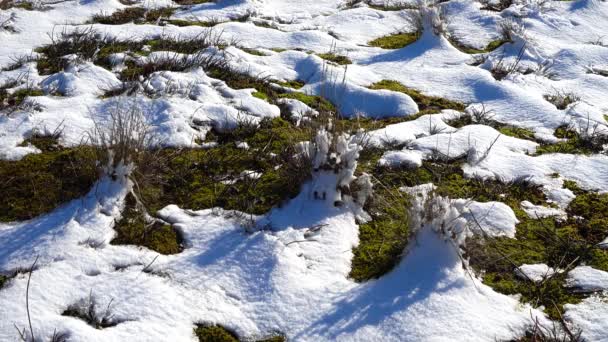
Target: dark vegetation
38,183
12,100
493,45
133,229
335,58
138,15
89,310
218,333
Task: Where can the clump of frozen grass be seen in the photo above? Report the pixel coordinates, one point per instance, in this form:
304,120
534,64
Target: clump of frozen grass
495,5
554,332
601,71
334,161
90,311
122,139
133,14
562,99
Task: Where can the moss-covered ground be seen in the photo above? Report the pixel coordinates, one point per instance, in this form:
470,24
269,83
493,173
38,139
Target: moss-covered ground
396,41
38,183
217,333
559,244
425,103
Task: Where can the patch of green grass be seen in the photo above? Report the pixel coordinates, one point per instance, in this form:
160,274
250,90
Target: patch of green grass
206,178
395,41
313,101
45,143
260,95
184,23
138,15
338,59
572,186
425,103
516,132
105,52
133,229
254,52
383,239
292,84
120,17
84,43
39,183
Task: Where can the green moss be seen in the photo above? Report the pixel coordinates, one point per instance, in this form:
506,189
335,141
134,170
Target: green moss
254,52
425,103
206,178
315,102
138,15
383,239
133,229
517,132
292,84
260,95
38,183
559,244
105,52
338,59
395,41
184,23
217,333
214,333
572,186
44,143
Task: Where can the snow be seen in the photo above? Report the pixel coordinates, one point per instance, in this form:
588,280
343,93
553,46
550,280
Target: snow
539,211
590,316
535,272
253,283
406,158
588,279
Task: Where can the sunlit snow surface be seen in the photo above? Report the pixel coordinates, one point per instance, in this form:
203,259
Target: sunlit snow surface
258,284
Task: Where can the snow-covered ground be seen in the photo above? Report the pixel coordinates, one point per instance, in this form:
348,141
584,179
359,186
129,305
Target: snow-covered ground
264,282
